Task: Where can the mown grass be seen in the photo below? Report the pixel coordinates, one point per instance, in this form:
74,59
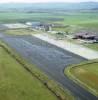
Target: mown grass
27,31
88,20
90,25
80,21
55,88
16,83
86,75
93,46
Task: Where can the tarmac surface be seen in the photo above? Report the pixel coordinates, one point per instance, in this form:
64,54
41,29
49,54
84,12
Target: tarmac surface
51,60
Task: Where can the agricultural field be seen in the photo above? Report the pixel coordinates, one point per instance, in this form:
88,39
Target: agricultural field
86,75
16,83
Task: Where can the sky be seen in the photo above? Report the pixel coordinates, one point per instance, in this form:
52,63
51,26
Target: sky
42,1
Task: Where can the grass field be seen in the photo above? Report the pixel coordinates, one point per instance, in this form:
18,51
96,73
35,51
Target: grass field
51,87
86,75
20,31
12,17
84,19
18,84
92,46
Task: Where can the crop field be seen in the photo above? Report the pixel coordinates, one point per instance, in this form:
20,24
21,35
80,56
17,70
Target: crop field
86,75
16,83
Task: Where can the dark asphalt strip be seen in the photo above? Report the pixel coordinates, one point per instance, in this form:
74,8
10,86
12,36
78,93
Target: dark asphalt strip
50,59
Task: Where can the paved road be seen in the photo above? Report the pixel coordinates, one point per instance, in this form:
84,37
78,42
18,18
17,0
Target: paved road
50,59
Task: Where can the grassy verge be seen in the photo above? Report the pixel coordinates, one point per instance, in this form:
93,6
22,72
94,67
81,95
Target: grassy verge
50,84
85,74
93,46
16,83
26,31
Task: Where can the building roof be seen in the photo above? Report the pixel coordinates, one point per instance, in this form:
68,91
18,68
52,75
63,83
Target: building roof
36,23
96,38
86,34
